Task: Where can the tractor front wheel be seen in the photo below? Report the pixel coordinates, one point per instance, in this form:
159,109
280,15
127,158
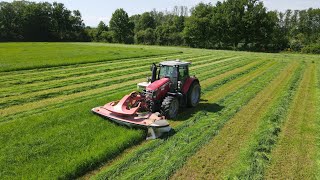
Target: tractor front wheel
170,107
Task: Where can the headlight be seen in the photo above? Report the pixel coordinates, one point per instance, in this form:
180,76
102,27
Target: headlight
149,94
154,94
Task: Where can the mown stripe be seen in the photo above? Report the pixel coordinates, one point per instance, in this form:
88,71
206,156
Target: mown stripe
45,102
22,89
71,89
295,153
318,117
220,154
252,161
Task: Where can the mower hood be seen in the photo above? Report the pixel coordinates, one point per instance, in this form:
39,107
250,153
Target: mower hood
158,84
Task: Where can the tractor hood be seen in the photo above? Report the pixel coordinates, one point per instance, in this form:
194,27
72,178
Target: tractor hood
157,84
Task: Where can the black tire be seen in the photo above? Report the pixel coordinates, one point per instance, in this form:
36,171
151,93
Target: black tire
193,95
170,107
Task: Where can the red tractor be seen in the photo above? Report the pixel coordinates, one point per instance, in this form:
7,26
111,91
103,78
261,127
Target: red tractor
169,88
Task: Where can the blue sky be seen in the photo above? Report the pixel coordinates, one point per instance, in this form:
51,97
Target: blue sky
94,11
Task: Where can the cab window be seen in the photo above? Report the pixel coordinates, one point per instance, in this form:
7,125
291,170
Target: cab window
183,73
167,71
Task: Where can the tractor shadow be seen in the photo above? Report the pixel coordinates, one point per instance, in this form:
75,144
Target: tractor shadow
204,105
187,113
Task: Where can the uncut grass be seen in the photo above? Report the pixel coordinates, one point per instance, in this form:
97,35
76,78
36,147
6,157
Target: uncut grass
171,153
16,56
295,154
59,69
45,102
38,75
49,125
92,79
212,160
61,143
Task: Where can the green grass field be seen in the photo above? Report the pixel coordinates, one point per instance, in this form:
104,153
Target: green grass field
15,56
258,117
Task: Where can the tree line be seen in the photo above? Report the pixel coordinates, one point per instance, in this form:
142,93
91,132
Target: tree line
231,24
30,21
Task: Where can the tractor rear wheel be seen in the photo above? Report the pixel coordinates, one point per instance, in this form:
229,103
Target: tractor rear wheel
194,94
170,107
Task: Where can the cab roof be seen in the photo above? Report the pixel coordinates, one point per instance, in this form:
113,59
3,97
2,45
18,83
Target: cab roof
175,63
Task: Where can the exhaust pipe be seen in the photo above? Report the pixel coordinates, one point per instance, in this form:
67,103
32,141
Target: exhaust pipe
154,72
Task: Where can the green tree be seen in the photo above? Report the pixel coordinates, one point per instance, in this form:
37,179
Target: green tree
102,27
30,21
146,37
198,31
146,21
9,23
122,27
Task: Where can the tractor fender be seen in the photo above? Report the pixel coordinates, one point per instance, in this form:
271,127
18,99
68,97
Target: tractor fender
187,84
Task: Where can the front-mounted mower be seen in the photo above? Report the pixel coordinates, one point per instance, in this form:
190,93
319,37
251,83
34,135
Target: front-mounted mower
169,88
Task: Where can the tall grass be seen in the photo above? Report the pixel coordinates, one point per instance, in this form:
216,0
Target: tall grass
16,56
63,144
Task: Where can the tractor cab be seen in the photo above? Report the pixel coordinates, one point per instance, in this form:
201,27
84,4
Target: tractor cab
176,71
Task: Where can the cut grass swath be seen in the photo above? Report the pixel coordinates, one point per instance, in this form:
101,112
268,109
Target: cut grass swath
254,157
318,117
294,156
81,81
220,153
50,125
45,102
46,84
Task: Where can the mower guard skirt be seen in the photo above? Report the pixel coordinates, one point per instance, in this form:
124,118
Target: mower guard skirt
144,120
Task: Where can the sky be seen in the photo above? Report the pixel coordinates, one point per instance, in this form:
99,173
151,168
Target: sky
94,11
